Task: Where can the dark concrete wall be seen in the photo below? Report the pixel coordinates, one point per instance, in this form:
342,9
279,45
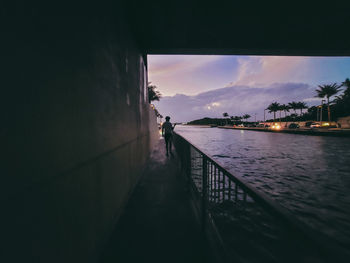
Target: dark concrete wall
76,132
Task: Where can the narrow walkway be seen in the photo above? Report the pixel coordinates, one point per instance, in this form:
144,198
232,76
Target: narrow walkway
158,224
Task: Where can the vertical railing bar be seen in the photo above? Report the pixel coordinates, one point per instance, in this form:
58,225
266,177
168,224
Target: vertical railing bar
189,160
236,192
209,179
219,186
226,187
214,192
229,190
211,183
222,187
214,186
208,171
204,192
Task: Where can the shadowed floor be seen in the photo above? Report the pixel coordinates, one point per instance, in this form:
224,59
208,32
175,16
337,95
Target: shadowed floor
158,224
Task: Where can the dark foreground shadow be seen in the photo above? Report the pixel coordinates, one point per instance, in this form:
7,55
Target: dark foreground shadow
158,224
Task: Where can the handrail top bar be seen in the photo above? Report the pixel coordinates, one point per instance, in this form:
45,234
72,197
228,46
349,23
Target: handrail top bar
270,204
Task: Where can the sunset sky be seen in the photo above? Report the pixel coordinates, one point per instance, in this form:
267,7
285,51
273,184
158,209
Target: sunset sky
196,86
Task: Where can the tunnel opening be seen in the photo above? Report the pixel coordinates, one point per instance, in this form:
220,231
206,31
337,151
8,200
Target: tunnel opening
196,98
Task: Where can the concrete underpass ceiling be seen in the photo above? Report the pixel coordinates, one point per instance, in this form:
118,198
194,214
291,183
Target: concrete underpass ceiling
234,27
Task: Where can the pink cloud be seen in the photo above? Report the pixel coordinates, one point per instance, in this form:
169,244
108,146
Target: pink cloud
270,69
174,64
179,74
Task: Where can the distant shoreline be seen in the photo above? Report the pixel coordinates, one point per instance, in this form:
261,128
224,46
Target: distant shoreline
318,132
198,125
336,132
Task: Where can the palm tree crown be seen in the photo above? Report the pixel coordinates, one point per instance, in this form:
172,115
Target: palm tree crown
346,84
153,93
328,91
225,114
274,107
236,118
293,105
246,116
301,106
285,108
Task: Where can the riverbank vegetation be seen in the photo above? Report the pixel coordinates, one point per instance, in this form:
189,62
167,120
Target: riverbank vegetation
332,107
327,110
154,95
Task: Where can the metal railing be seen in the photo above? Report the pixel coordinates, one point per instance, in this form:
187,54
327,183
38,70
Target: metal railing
247,224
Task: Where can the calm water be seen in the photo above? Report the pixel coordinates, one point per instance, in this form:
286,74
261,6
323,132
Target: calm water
308,175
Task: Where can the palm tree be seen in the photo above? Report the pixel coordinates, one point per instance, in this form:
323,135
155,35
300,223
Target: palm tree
346,84
346,94
225,114
328,91
246,117
285,108
274,107
280,110
236,119
293,105
301,106
153,93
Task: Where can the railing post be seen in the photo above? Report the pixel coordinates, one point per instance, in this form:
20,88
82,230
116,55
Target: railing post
204,191
189,161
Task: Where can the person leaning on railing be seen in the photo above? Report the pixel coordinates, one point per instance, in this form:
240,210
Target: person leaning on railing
167,133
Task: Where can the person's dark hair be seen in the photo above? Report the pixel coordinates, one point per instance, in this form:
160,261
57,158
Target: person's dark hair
167,118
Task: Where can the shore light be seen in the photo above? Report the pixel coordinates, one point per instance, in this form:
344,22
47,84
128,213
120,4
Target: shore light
276,126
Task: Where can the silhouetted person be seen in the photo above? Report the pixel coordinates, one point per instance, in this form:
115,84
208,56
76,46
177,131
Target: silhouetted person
167,132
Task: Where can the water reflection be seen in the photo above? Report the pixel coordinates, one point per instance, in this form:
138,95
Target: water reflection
309,175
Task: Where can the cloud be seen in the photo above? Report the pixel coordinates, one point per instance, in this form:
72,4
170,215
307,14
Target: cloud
236,100
270,69
187,74
312,99
254,82
194,74
165,65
